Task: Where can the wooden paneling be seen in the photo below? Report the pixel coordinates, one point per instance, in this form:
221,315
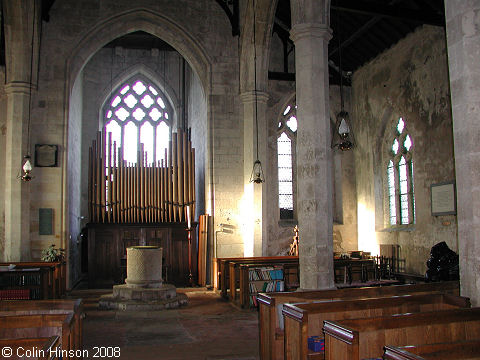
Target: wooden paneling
107,245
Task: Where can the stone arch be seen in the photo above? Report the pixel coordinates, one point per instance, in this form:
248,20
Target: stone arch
264,15
92,41
140,20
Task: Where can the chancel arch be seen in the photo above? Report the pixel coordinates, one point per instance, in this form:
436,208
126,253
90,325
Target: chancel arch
95,70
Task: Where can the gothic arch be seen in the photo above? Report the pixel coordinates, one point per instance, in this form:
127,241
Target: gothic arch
140,20
264,15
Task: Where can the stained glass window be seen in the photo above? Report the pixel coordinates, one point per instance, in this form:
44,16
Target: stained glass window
137,113
401,200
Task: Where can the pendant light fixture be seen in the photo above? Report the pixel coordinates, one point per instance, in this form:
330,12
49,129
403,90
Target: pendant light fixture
257,176
27,165
342,138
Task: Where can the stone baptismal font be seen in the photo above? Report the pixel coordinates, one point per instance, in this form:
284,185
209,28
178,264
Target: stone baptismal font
143,288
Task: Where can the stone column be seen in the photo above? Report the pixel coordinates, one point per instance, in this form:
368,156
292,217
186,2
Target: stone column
23,27
463,42
314,156
254,200
17,193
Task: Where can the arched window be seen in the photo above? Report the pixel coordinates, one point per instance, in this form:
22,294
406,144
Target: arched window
137,116
401,199
286,140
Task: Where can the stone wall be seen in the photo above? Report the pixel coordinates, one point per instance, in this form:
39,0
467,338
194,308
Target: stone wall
3,132
197,120
410,80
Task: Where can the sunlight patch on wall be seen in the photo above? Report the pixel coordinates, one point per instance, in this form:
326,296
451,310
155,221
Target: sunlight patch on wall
367,238
247,218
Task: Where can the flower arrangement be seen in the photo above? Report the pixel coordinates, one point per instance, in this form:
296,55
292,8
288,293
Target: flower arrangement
52,254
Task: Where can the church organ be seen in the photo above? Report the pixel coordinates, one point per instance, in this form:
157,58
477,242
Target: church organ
142,203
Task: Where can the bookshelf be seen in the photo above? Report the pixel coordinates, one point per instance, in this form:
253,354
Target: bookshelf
264,279
22,284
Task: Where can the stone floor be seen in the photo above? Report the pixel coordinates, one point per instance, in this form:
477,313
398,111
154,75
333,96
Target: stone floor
207,328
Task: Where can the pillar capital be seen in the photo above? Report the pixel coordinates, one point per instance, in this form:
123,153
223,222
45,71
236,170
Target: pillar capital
248,97
18,87
309,30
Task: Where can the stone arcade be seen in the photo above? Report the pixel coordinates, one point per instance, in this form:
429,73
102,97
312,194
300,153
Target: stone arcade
64,59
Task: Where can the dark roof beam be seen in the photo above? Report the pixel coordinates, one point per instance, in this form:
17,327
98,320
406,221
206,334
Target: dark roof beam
231,14
390,11
365,27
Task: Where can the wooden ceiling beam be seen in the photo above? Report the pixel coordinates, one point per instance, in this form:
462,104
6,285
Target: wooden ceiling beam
390,11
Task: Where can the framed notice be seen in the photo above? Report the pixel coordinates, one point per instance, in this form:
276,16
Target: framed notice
45,221
46,155
444,200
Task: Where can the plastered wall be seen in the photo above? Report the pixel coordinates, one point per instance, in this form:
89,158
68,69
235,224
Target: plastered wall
410,80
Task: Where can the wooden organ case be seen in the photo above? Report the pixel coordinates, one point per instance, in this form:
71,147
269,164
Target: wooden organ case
141,204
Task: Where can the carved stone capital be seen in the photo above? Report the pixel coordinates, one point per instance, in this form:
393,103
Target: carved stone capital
250,96
308,30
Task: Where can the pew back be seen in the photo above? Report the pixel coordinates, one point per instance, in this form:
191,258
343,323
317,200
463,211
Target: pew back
64,306
270,306
306,319
42,348
39,325
465,350
365,338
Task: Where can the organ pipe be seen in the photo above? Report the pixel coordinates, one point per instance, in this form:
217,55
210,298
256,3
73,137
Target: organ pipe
120,192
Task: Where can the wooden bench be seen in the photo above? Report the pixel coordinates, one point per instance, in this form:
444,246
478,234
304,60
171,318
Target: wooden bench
42,348
270,306
442,351
64,306
356,339
57,275
306,319
234,272
40,325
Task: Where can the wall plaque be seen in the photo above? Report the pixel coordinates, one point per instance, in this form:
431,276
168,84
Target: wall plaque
45,221
444,201
46,155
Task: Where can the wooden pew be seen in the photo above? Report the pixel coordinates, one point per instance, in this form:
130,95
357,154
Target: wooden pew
225,280
442,351
64,306
57,275
306,319
356,339
270,306
42,348
234,271
40,325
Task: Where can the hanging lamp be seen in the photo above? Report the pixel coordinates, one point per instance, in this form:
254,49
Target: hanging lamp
342,138
27,165
257,176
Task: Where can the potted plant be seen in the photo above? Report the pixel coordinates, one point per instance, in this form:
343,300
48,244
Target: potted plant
52,254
